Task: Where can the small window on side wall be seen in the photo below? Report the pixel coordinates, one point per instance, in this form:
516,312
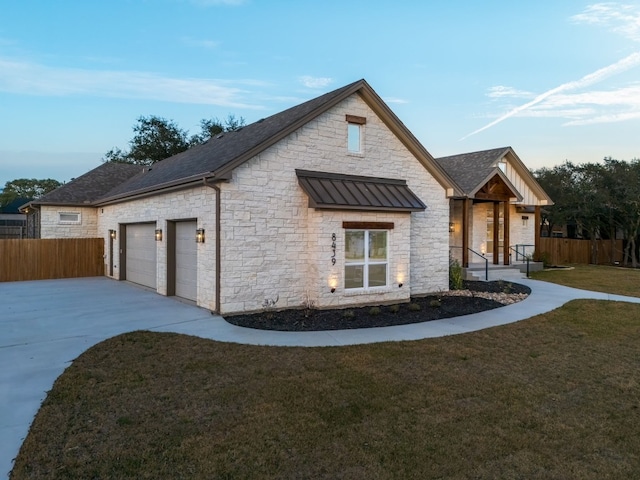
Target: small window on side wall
69,218
354,133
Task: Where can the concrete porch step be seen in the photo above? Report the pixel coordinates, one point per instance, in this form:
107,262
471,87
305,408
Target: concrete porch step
500,272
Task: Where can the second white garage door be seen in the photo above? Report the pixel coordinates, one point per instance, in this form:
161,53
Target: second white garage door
141,254
186,261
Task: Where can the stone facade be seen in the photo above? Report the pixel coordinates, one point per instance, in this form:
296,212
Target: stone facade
52,227
197,203
275,246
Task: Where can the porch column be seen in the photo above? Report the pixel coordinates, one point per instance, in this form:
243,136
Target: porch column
466,204
496,232
538,226
507,250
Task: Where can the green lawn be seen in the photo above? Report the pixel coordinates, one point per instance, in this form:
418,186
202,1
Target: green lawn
616,280
553,397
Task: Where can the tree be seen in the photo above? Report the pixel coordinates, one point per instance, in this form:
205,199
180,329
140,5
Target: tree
26,188
156,138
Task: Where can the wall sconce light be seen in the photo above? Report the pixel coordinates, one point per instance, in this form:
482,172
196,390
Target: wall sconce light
200,235
400,285
452,227
158,234
112,234
333,289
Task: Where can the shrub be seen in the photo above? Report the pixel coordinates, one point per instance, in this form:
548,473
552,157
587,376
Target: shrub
374,311
435,303
348,314
456,281
394,308
414,307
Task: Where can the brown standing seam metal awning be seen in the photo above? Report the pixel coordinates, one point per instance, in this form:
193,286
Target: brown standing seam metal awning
350,192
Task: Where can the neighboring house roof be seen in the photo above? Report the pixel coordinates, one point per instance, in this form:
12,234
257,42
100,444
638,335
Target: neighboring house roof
87,188
13,207
350,192
471,171
216,158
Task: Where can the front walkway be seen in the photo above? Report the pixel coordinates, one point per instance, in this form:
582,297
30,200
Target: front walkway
45,325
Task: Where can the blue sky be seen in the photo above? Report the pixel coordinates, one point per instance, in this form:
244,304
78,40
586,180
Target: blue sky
555,80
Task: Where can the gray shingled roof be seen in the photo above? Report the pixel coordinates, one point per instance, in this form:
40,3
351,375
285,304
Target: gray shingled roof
217,156
469,170
90,186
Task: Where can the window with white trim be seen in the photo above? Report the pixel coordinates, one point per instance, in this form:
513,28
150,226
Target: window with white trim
366,259
353,138
354,133
69,218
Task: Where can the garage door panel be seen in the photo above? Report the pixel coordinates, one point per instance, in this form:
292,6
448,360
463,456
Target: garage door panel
186,261
141,261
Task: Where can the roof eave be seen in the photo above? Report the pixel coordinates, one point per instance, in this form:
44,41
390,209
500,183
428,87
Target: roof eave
159,189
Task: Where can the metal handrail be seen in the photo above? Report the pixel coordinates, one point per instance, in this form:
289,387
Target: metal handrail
486,260
486,263
523,254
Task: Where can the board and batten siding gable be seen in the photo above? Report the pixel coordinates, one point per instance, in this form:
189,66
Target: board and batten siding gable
529,197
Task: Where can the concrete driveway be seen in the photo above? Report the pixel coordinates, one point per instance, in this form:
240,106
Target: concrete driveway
44,325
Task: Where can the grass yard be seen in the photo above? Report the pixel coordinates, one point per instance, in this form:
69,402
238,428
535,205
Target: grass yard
554,397
599,278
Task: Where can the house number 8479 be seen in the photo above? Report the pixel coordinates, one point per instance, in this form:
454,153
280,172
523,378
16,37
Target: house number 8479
333,248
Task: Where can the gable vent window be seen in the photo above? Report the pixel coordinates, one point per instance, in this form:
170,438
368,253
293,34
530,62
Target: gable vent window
355,127
69,218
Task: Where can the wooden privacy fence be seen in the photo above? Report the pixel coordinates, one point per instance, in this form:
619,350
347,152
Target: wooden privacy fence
562,251
43,259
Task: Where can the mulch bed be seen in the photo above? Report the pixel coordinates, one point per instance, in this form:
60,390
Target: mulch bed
420,309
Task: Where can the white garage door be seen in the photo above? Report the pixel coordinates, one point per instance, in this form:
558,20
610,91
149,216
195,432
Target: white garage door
141,254
186,261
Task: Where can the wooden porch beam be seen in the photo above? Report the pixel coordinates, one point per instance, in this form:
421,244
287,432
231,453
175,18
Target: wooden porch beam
496,233
538,221
466,204
507,251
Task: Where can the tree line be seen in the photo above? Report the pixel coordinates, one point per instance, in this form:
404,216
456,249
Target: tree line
596,201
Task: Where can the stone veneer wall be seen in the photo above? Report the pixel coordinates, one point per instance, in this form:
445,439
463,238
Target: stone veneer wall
196,203
275,246
50,227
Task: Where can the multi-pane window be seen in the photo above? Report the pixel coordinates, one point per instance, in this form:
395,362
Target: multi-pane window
366,258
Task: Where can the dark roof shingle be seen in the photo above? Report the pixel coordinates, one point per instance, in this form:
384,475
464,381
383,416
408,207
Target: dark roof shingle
92,185
469,170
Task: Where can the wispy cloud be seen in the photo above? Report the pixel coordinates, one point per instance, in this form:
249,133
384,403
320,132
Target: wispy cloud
501,91
315,82
396,100
27,78
623,65
585,107
620,18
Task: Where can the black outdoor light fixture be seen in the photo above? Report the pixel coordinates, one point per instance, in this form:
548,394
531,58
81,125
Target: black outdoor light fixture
200,235
112,234
158,234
